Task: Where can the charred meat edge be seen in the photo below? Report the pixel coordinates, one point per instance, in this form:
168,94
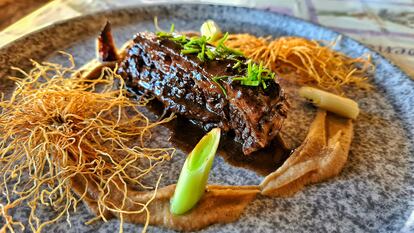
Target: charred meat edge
185,86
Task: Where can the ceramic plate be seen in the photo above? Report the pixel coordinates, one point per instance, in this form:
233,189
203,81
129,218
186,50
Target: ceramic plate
373,193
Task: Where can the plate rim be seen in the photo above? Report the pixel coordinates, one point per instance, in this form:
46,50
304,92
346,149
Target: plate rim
181,2
395,68
398,107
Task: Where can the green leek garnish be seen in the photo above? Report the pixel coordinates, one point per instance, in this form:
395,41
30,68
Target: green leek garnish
194,174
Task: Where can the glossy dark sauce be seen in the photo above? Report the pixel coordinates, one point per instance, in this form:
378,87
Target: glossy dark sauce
185,135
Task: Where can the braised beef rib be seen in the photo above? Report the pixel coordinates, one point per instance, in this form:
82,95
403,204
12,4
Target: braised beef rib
185,85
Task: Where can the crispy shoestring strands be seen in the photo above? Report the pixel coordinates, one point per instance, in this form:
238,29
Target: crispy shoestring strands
316,64
57,130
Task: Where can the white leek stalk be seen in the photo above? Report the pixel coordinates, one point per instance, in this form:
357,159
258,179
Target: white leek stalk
210,30
333,103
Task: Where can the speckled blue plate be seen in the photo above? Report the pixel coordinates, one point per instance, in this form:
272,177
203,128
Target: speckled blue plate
373,193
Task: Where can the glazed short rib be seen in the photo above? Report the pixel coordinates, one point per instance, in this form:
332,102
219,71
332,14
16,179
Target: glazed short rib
185,85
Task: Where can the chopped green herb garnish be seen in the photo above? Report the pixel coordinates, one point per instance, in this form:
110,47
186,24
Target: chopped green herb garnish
256,75
190,50
180,39
164,34
200,45
237,65
210,54
224,51
216,80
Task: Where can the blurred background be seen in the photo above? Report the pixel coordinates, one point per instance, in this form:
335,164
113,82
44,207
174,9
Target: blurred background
384,25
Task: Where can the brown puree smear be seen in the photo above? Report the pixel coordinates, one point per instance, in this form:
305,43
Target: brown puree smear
321,155
220,204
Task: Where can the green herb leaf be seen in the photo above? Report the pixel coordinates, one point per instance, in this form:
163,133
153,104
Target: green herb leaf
237,65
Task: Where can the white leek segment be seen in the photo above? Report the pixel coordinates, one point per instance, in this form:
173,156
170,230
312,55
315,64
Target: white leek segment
210,30
194,174
333,103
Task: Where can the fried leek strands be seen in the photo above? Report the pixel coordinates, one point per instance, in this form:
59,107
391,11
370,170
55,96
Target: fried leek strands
58,125
316,64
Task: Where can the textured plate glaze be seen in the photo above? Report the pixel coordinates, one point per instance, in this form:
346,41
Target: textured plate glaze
374,192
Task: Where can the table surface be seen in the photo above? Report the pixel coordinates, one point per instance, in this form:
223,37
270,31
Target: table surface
384,25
